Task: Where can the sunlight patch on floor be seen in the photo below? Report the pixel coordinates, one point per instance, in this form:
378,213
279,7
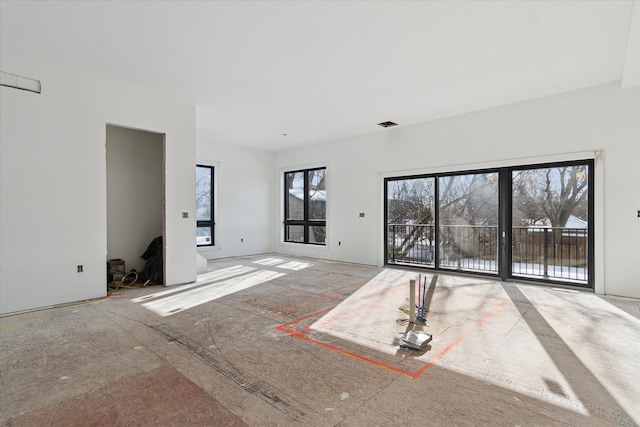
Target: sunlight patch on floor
294,265
201,295
277,262
269,261
203,279
368,317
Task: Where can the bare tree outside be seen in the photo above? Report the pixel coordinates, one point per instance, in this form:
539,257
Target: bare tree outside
548,215
469,200
469,220
550,219
550,196
410,212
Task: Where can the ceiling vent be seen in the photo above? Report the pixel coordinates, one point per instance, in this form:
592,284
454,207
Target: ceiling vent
387,124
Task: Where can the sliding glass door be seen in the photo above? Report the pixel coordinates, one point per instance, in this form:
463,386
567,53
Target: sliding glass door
529,222
468,222
550,216
410,214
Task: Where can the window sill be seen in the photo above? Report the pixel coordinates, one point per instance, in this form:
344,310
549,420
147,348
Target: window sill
305,246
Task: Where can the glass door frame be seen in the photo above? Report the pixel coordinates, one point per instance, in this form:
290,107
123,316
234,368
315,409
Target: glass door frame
505,222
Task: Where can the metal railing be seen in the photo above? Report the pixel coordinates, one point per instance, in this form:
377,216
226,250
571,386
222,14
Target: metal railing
550,252
469,247
461,246
541,252
411,244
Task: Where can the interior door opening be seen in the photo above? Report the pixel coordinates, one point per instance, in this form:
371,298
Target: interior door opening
135,197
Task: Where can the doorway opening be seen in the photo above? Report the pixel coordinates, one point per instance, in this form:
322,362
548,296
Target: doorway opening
135,198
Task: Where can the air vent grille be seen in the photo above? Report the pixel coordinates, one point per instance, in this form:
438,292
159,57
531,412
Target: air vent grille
387,124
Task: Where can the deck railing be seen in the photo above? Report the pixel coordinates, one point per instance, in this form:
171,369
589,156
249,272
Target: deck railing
411,244
542,252
553,252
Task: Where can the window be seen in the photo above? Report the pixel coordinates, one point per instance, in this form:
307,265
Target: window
531,221
550,222
410,217
204,206
468,221
305,206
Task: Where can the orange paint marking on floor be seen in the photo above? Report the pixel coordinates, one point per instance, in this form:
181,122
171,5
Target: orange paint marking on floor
302,334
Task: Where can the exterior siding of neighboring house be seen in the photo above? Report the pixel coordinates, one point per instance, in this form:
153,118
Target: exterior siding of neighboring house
296,212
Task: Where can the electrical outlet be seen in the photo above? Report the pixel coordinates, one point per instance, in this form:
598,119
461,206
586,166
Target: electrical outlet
339,243
361,214
80,269
241,240
185,214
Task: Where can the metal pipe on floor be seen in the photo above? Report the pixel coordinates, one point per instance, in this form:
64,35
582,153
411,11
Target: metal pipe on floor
412,300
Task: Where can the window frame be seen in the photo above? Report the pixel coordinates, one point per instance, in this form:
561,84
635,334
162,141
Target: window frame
208,223
505,221
306,222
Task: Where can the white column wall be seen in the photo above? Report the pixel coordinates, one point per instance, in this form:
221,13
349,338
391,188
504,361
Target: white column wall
604,118
53,183
243,201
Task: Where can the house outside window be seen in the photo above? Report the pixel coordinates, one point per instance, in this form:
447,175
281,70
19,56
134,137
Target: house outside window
305,206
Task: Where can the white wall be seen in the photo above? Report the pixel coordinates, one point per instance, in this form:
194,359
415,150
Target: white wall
53,183
558,127
135,193
243,199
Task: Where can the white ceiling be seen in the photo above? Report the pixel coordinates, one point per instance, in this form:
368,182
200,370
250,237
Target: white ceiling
320,71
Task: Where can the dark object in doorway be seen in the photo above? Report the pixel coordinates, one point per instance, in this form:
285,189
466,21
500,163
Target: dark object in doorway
115,269
152,270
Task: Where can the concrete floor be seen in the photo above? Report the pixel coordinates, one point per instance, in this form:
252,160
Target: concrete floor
274,341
